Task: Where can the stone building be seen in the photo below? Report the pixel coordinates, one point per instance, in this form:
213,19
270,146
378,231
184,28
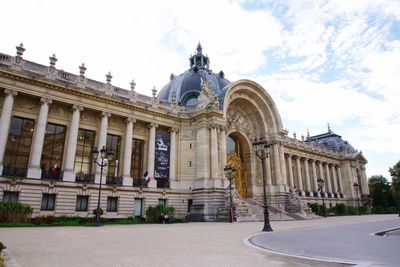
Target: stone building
182,137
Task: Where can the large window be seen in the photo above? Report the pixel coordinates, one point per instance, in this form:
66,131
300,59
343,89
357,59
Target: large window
114,145
53,148
138,210
48,202
112,203
82,203
18,147
137,159
84,148
10,196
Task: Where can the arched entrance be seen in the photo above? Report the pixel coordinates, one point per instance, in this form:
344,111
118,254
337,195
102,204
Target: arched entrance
236,149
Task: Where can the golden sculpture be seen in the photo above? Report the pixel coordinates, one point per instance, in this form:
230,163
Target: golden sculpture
240,181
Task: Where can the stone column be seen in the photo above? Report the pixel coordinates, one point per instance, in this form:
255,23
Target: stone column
126,173
321,176
277,167
5,121
339,170
308,183
268,170
334,178
291,182
34,170
172,155
299,176
222,142
69,175
214,152
365,180
328,178
151,154
101,143
315,179
282,164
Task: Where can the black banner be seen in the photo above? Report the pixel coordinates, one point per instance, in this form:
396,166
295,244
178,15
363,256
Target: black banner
161,165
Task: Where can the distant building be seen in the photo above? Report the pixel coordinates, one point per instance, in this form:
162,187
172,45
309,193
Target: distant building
51,120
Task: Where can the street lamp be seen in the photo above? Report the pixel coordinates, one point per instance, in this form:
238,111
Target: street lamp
321,184
230,173
357,188
262,151
106,158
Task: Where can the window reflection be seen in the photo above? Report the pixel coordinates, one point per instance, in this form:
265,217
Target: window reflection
84,148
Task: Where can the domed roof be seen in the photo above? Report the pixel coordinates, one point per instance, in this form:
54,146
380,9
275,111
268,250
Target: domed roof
185,88
332,141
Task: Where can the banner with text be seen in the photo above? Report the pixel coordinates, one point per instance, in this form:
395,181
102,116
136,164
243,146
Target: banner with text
161,166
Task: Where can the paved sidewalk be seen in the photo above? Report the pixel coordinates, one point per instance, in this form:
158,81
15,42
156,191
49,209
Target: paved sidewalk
190,244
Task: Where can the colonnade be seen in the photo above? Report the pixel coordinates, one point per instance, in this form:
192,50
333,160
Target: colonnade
34,170
329,172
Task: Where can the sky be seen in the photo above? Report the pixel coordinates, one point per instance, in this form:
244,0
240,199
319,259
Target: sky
335,62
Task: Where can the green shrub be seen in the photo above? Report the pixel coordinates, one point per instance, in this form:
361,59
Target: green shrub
392,210
340,209
44,220
378,210
153,213
14,212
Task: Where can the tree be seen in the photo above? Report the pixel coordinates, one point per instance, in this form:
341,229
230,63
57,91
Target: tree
380,191
395,173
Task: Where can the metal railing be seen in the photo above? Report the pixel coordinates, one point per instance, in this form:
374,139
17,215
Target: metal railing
86,178
52,174
10,171
163,183
139,183
114,180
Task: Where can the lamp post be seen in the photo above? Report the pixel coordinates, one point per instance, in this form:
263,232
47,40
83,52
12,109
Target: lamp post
261,149
106,157
230,173
357,188
321,185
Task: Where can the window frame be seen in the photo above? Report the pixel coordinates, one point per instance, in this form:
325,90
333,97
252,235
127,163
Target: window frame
110,207
48,198
79,199
9,196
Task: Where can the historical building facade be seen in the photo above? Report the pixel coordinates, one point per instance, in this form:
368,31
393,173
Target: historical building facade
182,138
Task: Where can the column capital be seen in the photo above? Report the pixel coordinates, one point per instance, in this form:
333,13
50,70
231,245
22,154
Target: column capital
10,92
77,107
212,126
105,114
151,125
289,156
222,128
172,129
46,100
305,159
130,120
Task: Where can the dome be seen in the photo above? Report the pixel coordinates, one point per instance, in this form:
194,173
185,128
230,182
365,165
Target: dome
332,141
187,86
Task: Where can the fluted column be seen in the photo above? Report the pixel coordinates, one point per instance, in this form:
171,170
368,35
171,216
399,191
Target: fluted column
365,180
339,170
291,182
151,154
214,152
283,165
334,179
268,170
127,178
315,179
101,143
5,121
34,170
307,172
328,178
222,141
172,155
299,176
277,167
321,175
69,175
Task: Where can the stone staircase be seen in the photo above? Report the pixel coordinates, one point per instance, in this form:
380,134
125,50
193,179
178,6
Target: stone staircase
252,210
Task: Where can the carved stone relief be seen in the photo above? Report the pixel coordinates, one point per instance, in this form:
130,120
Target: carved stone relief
58,111
140,129
89,117
237,120
116,123
188,134
26,103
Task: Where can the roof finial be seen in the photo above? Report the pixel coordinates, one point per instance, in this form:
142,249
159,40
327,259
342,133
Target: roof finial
329,128
199,49
308,133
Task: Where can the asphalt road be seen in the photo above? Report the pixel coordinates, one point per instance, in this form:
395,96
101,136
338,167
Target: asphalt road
353,243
